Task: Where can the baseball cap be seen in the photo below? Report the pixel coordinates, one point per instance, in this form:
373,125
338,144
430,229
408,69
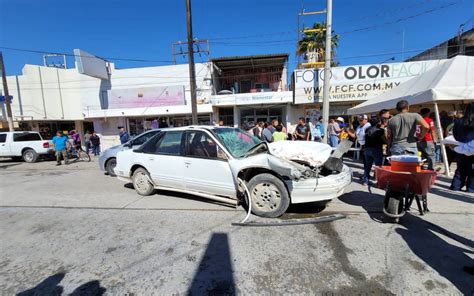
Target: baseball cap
362,117
340,119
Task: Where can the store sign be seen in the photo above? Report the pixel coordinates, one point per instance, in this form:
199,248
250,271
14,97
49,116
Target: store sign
355,83
159,96
252,98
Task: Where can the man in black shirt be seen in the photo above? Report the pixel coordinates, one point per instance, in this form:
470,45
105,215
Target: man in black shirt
302,132
374,141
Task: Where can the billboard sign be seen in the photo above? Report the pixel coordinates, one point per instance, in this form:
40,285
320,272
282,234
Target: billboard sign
91,65
355,83
156,96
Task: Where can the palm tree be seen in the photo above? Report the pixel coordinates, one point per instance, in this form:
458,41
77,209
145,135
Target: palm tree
312,45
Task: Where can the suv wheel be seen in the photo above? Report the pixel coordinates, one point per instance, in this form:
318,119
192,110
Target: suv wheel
268,195
110,166
30,155
141,182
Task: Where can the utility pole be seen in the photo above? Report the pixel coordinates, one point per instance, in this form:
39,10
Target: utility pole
6,94
192,72
327,67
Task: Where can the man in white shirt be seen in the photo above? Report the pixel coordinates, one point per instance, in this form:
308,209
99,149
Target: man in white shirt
364,124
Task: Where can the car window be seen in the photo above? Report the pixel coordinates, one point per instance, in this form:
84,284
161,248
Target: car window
3,138
200,144
24,137
143,138
170,143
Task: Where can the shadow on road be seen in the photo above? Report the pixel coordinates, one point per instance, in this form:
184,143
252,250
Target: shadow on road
50,286
448,259
452,195
423,238
185,196
215,274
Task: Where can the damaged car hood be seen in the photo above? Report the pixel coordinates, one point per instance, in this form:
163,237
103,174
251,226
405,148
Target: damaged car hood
282,156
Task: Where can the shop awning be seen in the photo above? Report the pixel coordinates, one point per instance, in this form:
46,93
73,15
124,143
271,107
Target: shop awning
450,81
146,111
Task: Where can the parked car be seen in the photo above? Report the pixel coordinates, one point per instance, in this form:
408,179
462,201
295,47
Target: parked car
210,161
108,158
28,146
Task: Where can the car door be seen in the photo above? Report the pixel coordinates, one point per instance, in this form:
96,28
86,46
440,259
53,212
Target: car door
164,161
4,147
206,168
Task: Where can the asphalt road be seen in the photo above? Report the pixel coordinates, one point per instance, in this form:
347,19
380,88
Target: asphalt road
73,230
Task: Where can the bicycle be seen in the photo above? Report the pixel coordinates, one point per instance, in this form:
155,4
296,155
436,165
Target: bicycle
78,154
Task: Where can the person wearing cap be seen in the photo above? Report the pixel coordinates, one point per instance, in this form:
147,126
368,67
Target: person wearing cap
124,136
401,131
334,130
364,124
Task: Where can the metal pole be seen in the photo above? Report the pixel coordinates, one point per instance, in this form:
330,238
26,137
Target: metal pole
60,94
6,94
441,138
327,68
192,71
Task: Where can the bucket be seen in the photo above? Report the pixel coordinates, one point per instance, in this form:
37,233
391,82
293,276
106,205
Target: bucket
412,167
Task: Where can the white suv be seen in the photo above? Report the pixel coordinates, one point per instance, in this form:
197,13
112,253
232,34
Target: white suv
26,145
211,162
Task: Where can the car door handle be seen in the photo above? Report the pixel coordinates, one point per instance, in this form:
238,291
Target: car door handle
187,163
151,158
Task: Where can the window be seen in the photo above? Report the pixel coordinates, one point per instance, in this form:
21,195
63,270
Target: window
24,137
143,138
169,144
199,144
3,138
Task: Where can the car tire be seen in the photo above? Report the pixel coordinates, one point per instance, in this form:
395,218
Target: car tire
141,182
110,166
30,155
268,195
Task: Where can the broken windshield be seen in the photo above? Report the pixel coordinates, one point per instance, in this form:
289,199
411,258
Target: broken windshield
236,141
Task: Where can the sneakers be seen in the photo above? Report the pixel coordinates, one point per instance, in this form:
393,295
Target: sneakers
58,163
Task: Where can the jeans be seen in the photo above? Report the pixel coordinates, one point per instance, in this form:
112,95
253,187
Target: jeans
96,149
428,151
464,175
438,154
333,140
372,156
400,149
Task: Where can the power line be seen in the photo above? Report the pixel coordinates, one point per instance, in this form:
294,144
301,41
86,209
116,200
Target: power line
82,56
402,19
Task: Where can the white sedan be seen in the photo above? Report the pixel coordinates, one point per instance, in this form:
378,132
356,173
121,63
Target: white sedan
211,162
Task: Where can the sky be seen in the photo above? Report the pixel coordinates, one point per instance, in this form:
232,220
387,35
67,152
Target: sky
371,31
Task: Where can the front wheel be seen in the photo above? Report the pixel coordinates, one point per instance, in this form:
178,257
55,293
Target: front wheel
110,166
268,195
30,155
83,156
141,182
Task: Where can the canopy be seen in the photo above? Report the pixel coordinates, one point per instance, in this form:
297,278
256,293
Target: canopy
452,80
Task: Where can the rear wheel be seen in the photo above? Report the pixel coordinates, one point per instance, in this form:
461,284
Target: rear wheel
110,166
141,182
268,195
30,155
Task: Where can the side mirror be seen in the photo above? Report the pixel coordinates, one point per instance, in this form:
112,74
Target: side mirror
129,144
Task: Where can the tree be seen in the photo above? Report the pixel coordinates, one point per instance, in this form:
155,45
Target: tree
312,45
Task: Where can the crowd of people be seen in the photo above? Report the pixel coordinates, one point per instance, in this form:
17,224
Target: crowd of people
386,134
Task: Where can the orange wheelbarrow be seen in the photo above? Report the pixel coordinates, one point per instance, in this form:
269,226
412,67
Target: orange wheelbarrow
401,188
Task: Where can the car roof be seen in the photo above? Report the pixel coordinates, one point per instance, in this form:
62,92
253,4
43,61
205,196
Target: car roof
191,127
